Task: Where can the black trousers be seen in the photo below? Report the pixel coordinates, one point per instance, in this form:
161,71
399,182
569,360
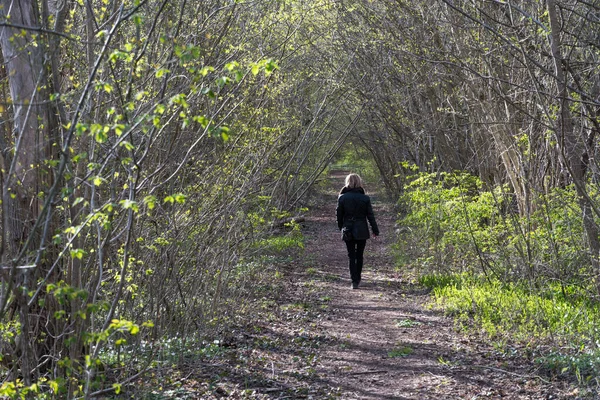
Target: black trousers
356,249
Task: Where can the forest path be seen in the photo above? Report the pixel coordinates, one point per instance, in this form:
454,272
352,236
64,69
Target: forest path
386,343
306,334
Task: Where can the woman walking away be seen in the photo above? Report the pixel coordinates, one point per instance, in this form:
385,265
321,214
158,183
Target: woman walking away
353,210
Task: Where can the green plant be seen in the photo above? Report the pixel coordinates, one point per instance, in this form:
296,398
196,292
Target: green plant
293,240
584,366
407,323
451,224
517,311
401,351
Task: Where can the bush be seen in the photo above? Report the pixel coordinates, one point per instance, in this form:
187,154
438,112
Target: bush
452,225
524,278
518,313
514,310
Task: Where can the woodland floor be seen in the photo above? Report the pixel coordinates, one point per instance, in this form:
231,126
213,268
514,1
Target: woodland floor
316,338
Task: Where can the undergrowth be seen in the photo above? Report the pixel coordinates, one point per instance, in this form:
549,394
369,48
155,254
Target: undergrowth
526,315
517,274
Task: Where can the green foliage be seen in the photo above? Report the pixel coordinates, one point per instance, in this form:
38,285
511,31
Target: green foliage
406,323
400,351
583,365
528,315
449,221
451,224
280,244
521,312
515,277
292,240
356,158
17,390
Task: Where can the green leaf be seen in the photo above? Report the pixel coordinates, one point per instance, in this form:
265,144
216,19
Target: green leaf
78,253
201,119
161,72
119,129
270,66
224,133
100,132
80,128
127,145
117,387
208,91
232,65
129,204
179,99
79,156
222,81
53,386
60,314
150,201
180,198
206,70
160,109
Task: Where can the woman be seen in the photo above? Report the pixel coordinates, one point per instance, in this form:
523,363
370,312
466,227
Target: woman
353,210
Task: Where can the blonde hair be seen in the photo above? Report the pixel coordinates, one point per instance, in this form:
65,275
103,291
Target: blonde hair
353,181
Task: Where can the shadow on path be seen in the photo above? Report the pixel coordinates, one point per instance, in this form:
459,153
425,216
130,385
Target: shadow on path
387,343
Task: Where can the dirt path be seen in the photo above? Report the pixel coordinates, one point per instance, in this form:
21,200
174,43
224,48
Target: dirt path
307,335
387,344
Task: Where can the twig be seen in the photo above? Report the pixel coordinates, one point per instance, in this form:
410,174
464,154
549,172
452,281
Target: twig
381,371
510,373
271,390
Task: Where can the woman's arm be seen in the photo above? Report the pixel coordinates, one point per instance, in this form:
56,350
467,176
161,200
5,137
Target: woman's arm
339,211
371,218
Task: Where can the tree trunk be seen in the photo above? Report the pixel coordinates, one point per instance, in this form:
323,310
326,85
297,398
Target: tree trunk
23,188
572,146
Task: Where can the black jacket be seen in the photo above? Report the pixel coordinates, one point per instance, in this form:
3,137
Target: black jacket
353,210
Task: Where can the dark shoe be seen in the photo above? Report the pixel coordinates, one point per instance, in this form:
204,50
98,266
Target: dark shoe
354,285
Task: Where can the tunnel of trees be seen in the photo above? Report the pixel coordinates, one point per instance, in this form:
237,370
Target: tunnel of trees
147,147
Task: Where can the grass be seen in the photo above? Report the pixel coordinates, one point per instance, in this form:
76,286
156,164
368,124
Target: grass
400,351
523,313
553,316
407,323
279,244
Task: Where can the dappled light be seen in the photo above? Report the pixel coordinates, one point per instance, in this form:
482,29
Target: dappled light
170,171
